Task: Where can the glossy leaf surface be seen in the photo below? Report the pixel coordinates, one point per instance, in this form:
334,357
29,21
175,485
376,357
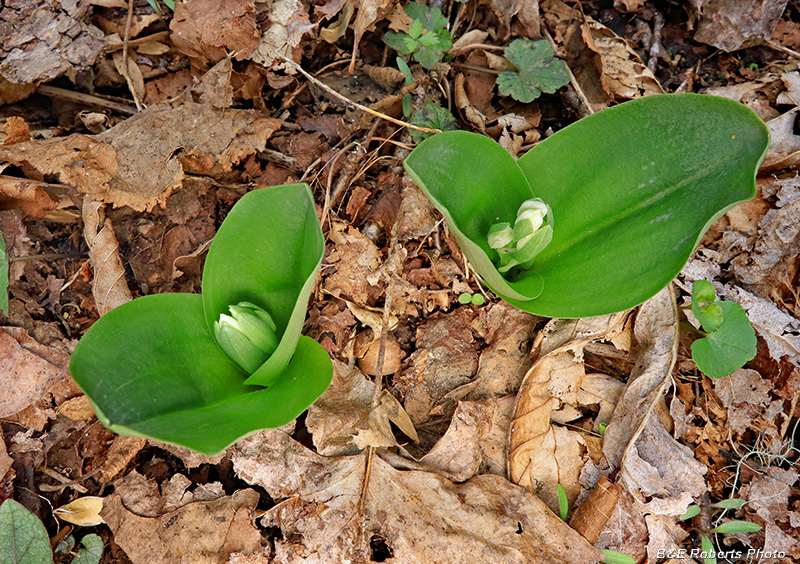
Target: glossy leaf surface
273,235
152,367
632,190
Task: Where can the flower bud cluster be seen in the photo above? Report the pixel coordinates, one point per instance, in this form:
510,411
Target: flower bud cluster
248,336
517,246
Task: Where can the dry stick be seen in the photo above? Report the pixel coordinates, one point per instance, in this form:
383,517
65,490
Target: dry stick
782,48
125,74
81,98
158,36
361,107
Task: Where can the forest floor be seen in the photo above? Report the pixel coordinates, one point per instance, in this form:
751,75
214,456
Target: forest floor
118,166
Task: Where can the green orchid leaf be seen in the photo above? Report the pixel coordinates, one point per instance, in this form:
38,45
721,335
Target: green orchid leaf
151,368
729,347
474,183
736,527
733,503
707,548
23,538
632,189
273,235
614,557
691,511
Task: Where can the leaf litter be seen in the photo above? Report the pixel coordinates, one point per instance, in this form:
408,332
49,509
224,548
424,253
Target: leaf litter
421,463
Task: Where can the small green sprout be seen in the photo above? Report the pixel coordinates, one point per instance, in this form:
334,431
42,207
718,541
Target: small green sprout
728,341
563,503
614,557
538,70
706,543
474,299
532,232
248,338
409,80
427,38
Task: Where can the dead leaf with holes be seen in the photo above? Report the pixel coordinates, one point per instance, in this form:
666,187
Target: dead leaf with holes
543,453
287,24
353,258
331,509
344,421
731,26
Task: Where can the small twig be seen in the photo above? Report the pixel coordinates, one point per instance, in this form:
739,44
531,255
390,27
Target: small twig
459,50
387,312
46,256
361,107
475,68
772,44
656,49
81,98
125,73
116,45
65,482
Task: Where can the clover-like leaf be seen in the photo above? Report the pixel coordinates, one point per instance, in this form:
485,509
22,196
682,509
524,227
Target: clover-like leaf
728,347
152,367
432,116
538,70
632,189
427,38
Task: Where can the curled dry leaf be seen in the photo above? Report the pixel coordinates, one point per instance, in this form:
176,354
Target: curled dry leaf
29,196
27,369
84,511
591,516
543,455
332,507
343,420
108,285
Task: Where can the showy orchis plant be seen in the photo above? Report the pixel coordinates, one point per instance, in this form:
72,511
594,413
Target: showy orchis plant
630,191
202,371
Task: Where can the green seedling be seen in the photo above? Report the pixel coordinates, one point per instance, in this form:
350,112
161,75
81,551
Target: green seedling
202,371
432,116
537,70
708,552
474,299
408,103
614,557
563,503
728,341
169,3
427,38
629,192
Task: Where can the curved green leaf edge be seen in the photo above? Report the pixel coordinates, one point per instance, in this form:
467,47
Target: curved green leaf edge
152,367
632,188
272,234
23,538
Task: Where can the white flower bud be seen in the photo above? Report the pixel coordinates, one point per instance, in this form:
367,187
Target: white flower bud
500,235
249,337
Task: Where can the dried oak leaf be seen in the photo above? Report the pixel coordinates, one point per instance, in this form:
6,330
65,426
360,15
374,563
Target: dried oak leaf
288,22
29,196
43,40
354,258
332,507
109,286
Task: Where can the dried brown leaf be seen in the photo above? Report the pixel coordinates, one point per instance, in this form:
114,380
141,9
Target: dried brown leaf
28,196
591,516
288,23
343,420
731,26
27,376
354,257
109,287
332,507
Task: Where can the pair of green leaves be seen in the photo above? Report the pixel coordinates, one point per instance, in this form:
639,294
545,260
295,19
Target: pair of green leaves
632,189
427,38
729,340
152,367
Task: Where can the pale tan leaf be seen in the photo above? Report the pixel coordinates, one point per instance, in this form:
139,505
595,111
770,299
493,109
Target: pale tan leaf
109,287
335,31
288,23
333,506
656,331
127,67
731,26
84,511
77,408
